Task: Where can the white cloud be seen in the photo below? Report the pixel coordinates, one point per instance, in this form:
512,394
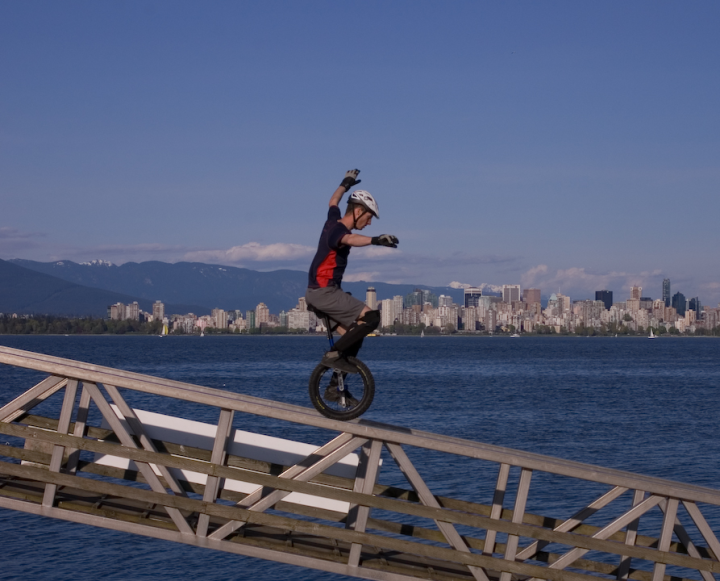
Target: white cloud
375,252
578,280
252,252
13,241
362,276
528,279
7,233
483,285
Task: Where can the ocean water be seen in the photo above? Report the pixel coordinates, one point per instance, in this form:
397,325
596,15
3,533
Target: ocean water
649,407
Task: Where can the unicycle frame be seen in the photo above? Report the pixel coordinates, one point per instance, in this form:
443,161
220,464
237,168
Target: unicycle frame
331,340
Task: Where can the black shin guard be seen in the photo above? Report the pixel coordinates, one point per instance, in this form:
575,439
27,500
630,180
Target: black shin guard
357,333
354,349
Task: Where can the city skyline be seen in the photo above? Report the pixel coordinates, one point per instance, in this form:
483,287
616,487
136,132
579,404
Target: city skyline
514,310
557,145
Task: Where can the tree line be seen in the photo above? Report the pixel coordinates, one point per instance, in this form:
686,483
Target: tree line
52,325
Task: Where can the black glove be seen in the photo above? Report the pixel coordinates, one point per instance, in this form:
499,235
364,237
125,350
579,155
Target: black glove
385,240
349,181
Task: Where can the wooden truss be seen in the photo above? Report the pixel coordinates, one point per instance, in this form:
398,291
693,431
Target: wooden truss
427,537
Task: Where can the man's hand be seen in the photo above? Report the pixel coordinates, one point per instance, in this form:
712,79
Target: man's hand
350,179
385,240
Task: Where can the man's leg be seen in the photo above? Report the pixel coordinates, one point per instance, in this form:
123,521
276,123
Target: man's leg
351,341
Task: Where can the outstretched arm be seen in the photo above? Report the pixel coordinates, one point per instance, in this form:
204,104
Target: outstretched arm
360,240
356,240
348,182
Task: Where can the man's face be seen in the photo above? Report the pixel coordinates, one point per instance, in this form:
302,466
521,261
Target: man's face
365,218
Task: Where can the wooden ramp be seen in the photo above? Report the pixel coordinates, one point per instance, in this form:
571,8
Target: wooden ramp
327,509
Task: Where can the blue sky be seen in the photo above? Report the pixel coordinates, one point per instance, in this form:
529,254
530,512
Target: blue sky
573,146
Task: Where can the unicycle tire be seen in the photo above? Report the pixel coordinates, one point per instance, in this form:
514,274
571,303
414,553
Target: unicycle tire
361,386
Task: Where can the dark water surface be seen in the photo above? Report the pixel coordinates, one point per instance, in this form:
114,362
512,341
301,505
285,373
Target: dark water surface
646,406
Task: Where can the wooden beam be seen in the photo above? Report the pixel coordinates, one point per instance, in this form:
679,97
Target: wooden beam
31,398
497,507
63,427
428,499
128,442
367,473
452,516
518,512
222,435
361,428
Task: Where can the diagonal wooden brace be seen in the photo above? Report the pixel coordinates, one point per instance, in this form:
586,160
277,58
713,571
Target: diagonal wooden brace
575,520
428,499
31,398
317,462
137,429
127,440
622,521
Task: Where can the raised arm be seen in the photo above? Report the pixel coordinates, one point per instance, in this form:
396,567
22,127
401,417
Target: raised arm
348,182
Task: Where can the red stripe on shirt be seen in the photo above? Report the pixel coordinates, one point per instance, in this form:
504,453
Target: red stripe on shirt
326,270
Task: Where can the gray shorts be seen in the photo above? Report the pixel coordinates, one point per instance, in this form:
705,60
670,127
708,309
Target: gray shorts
342,307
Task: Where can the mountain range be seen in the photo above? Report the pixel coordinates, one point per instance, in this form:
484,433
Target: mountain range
69,288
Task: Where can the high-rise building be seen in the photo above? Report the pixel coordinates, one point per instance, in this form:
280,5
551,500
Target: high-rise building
398,305
666,292
117,312
220,317
387,312
635,292
371,298
444,301
472,296
302,305
510,293
133,311
606,297
262,314
158,311
283,318
531,295
694,305
250,320
679,303
429,297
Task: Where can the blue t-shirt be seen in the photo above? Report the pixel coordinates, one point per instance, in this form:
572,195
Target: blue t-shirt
330,260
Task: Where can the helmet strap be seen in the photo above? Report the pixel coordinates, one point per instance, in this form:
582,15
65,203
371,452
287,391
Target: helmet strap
356,218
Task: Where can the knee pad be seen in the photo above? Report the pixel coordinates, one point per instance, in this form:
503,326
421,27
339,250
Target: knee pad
372,319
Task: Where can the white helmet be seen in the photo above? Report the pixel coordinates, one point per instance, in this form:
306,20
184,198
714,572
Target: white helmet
365,199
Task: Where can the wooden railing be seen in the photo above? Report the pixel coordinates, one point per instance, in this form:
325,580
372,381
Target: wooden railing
421,535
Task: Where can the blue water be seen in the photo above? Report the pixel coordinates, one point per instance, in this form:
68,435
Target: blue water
646,406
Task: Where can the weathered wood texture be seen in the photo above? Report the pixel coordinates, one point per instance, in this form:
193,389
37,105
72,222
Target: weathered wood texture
429,537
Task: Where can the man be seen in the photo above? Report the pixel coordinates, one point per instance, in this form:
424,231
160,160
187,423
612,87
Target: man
354,319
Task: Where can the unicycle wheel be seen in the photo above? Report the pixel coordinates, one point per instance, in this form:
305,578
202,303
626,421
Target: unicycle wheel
348,402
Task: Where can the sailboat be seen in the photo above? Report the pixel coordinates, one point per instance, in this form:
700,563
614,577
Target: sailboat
652,335
422,332
164,331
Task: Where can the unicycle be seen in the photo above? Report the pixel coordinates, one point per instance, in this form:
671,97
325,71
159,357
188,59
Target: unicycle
340,395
